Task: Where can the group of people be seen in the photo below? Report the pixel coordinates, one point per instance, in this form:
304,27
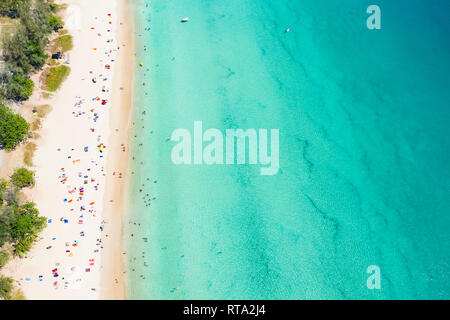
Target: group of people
75,239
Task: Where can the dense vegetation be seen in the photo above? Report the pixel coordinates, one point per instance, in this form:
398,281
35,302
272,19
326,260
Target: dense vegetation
10,8
19,88
26,227
13,128
24,51
20,224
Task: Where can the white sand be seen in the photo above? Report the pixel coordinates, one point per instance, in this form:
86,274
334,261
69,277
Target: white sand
74,248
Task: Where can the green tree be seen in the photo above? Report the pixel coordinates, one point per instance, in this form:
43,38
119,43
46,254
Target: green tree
7,219
6,287
15,53
56,23
22,55
24,51
12,197
22,178
11,8
13,128
26,227
19,88
37,23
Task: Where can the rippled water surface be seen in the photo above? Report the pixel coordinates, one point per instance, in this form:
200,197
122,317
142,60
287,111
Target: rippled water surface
364,130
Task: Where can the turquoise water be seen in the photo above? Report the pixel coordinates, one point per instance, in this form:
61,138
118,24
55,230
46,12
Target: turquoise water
364,147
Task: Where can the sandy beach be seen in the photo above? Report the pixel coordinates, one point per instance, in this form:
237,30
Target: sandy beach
81,162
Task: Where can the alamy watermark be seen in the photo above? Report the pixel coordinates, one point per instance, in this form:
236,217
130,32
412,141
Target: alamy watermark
374,280
374,20
208,147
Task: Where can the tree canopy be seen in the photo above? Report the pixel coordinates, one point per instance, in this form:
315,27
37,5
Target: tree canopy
22,178
24,51
13,128
7,218
26,227
19,88
20,223
12,8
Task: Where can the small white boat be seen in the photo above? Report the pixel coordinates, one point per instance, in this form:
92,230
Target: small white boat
184,20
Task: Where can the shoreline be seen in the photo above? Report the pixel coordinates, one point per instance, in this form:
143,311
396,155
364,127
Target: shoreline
113,278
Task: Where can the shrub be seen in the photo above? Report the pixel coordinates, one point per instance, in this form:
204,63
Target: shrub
55,77
17,295
30,148
4,258
13,128
22,178
3,186
44,110
6,287
36,124
65,43
54,7
56,23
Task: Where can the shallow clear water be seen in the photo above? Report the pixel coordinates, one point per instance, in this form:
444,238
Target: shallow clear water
364,146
